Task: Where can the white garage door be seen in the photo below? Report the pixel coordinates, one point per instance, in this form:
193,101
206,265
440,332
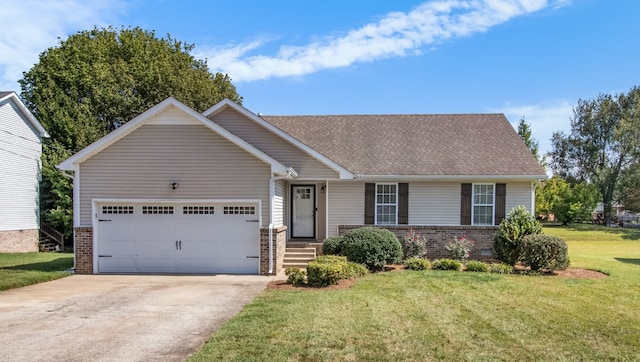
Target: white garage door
172,237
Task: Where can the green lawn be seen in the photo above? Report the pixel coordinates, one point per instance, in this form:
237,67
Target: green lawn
19,270
457,316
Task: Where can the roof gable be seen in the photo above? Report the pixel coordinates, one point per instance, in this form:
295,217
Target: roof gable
150,117
427,146
343,172
26,114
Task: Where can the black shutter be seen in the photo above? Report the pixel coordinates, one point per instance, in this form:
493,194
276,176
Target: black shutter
465,204
501,200
403,204
369,203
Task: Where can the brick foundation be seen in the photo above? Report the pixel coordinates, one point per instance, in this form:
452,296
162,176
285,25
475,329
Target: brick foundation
19,241
83,248
279,246
439,236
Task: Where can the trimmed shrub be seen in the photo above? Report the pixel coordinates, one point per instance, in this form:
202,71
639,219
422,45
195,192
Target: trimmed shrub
295,276
324,259
354,270
517,225
414,245
501,268
332,246
544,252
373,247
460,248
323,274
446,264
478,266
417,264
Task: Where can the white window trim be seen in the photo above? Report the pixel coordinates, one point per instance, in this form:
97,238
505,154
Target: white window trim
376,203
473,204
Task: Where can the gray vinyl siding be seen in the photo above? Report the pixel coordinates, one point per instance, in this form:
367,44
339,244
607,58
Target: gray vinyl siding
276,147
434,203
430,203
518,194
279,202
346,204
321,214
20,151
143,164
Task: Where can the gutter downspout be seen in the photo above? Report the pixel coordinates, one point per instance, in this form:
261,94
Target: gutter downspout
272,197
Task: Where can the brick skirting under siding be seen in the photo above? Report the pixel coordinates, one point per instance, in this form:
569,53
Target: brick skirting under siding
279,246
439,236
83,249
83,238
19,241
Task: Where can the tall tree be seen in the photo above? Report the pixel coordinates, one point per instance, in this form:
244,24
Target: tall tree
604,142
524,131
97,80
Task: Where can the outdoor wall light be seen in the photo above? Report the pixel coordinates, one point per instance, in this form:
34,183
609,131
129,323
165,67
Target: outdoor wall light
174,185
322,189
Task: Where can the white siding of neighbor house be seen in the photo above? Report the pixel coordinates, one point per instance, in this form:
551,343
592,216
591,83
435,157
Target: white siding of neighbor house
430,203
143,164
518,194
261,138
279,203
20,151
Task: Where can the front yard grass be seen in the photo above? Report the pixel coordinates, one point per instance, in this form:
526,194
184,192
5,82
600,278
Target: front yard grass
19,270
440,315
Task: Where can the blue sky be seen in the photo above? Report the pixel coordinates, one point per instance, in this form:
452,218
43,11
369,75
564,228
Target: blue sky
531,58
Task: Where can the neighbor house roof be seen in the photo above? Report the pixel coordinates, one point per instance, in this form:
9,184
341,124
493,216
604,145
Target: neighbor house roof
10,95
431,145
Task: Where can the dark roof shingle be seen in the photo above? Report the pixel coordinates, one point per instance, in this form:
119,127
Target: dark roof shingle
420,145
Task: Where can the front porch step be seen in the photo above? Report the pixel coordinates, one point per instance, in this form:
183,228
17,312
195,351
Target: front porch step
298,257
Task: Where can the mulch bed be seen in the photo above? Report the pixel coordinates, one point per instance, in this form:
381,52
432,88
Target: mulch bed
574,273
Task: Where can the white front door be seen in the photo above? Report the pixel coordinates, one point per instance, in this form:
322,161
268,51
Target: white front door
304,207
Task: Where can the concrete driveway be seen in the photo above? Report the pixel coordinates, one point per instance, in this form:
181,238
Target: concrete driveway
119,317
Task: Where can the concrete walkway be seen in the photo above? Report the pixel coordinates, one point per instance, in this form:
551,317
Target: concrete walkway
119,317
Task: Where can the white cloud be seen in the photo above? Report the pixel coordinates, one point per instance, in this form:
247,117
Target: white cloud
544,119
29,27
395,35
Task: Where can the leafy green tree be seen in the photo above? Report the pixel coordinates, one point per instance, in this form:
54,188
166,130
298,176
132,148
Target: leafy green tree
628,193
568,203
604,142
95,81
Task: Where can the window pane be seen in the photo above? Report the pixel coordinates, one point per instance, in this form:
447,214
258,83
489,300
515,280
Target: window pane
482,215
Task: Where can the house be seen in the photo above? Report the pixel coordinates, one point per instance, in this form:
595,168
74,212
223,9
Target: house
20,150
227,191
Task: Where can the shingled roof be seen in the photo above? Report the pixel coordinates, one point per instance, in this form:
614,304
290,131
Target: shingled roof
417,144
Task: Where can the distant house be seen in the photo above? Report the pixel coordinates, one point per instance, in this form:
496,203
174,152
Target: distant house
20,150
229,191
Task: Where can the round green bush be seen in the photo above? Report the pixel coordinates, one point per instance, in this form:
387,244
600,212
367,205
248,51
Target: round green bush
372,247
501,268
295,276
517,225
446,264
332,246
417,264
544,252
477,266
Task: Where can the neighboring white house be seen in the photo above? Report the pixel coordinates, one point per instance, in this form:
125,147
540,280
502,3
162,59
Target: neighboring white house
20,150
227,191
